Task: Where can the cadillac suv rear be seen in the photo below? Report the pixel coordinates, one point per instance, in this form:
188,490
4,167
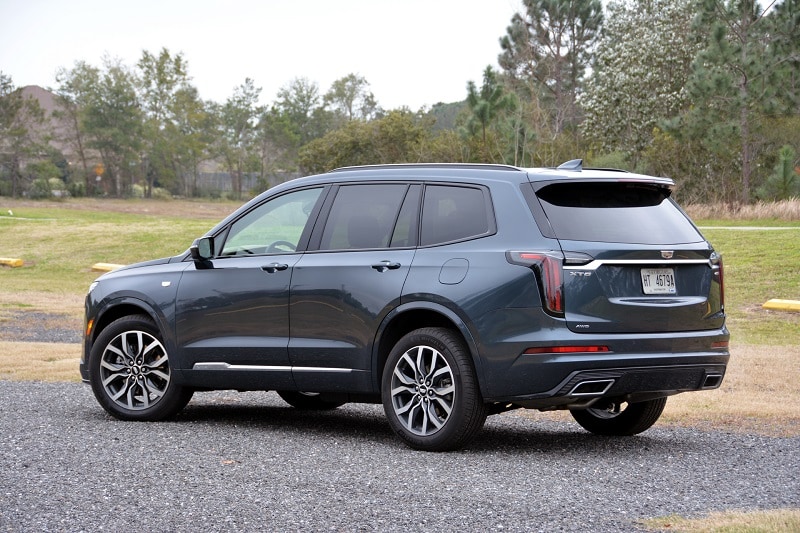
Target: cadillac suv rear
445,292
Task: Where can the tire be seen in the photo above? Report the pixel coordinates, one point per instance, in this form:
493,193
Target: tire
430,392
632,420
310,401
131,373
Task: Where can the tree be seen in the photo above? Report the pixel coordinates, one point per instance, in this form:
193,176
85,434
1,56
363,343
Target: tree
113,124
398,137
642,64
550,46
277,144
486,104
237,120
733,87
300,105
784,183
18,118
73,95
163,84
194,128
784,27
351,99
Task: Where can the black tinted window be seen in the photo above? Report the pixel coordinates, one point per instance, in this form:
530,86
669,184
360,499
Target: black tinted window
405,231
453,213
615,212
362,217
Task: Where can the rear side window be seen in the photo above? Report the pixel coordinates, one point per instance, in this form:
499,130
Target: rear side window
632,213
452,213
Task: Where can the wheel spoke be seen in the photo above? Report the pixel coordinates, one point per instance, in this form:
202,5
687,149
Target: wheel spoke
113,377
113,367
446,406
115,350
412,413
443,391
159,363
431,415
404,379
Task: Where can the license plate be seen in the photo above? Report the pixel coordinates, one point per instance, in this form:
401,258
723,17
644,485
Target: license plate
658,281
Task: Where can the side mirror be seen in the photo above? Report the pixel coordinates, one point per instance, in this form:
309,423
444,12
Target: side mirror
202,250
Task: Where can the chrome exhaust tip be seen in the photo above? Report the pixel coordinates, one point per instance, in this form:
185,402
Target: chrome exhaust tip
596,387
712,381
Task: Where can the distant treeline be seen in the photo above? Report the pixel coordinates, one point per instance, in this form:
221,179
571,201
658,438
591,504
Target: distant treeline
706,92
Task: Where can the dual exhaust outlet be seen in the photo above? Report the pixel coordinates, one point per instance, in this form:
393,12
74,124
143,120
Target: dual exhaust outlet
598,387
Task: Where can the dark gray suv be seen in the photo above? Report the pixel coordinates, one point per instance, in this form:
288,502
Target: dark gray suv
445,292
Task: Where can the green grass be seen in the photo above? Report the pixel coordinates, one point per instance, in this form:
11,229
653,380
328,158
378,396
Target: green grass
59,246
759,265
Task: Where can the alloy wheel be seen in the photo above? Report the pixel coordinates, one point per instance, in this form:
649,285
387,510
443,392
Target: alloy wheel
134,370
422,390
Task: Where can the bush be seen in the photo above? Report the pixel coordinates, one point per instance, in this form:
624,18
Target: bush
76,189
40,189
784,183
161,194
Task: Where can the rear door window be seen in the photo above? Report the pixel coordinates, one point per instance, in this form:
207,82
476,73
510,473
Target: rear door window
363,217
631,213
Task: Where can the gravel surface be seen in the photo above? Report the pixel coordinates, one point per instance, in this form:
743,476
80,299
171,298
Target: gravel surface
248,462
34,326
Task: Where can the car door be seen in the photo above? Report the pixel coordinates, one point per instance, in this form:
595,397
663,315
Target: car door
344,289
232,312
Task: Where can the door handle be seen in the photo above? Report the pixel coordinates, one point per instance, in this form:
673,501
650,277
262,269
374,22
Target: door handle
383,266
274,267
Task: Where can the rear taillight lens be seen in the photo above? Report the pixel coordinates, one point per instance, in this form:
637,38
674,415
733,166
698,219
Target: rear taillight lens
549,269
719,277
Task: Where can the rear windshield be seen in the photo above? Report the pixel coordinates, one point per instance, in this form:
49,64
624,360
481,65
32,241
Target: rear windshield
632,213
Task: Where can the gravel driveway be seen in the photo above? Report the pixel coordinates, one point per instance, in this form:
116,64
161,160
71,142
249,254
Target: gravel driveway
249,462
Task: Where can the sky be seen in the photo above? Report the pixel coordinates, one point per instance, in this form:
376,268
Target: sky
413,53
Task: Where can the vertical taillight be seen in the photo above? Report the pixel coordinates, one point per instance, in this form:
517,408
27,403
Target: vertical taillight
549,269
719,277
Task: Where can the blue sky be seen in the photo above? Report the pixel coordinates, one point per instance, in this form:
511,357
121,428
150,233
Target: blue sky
412,52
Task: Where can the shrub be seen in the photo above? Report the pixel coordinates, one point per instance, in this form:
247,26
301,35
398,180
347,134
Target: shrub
40,188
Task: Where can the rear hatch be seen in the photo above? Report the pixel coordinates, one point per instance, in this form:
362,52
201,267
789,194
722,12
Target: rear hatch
633,261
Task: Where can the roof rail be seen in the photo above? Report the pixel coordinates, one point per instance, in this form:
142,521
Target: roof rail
473,166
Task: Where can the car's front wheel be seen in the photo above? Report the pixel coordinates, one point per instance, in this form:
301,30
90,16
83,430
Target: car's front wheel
131,374
430,392
615,420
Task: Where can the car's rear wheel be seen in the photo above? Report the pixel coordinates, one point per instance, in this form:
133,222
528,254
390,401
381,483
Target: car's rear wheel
430,392
617,420
131,374
312,401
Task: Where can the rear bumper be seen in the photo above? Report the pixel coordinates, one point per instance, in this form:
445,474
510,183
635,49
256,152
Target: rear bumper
635,367
582,388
